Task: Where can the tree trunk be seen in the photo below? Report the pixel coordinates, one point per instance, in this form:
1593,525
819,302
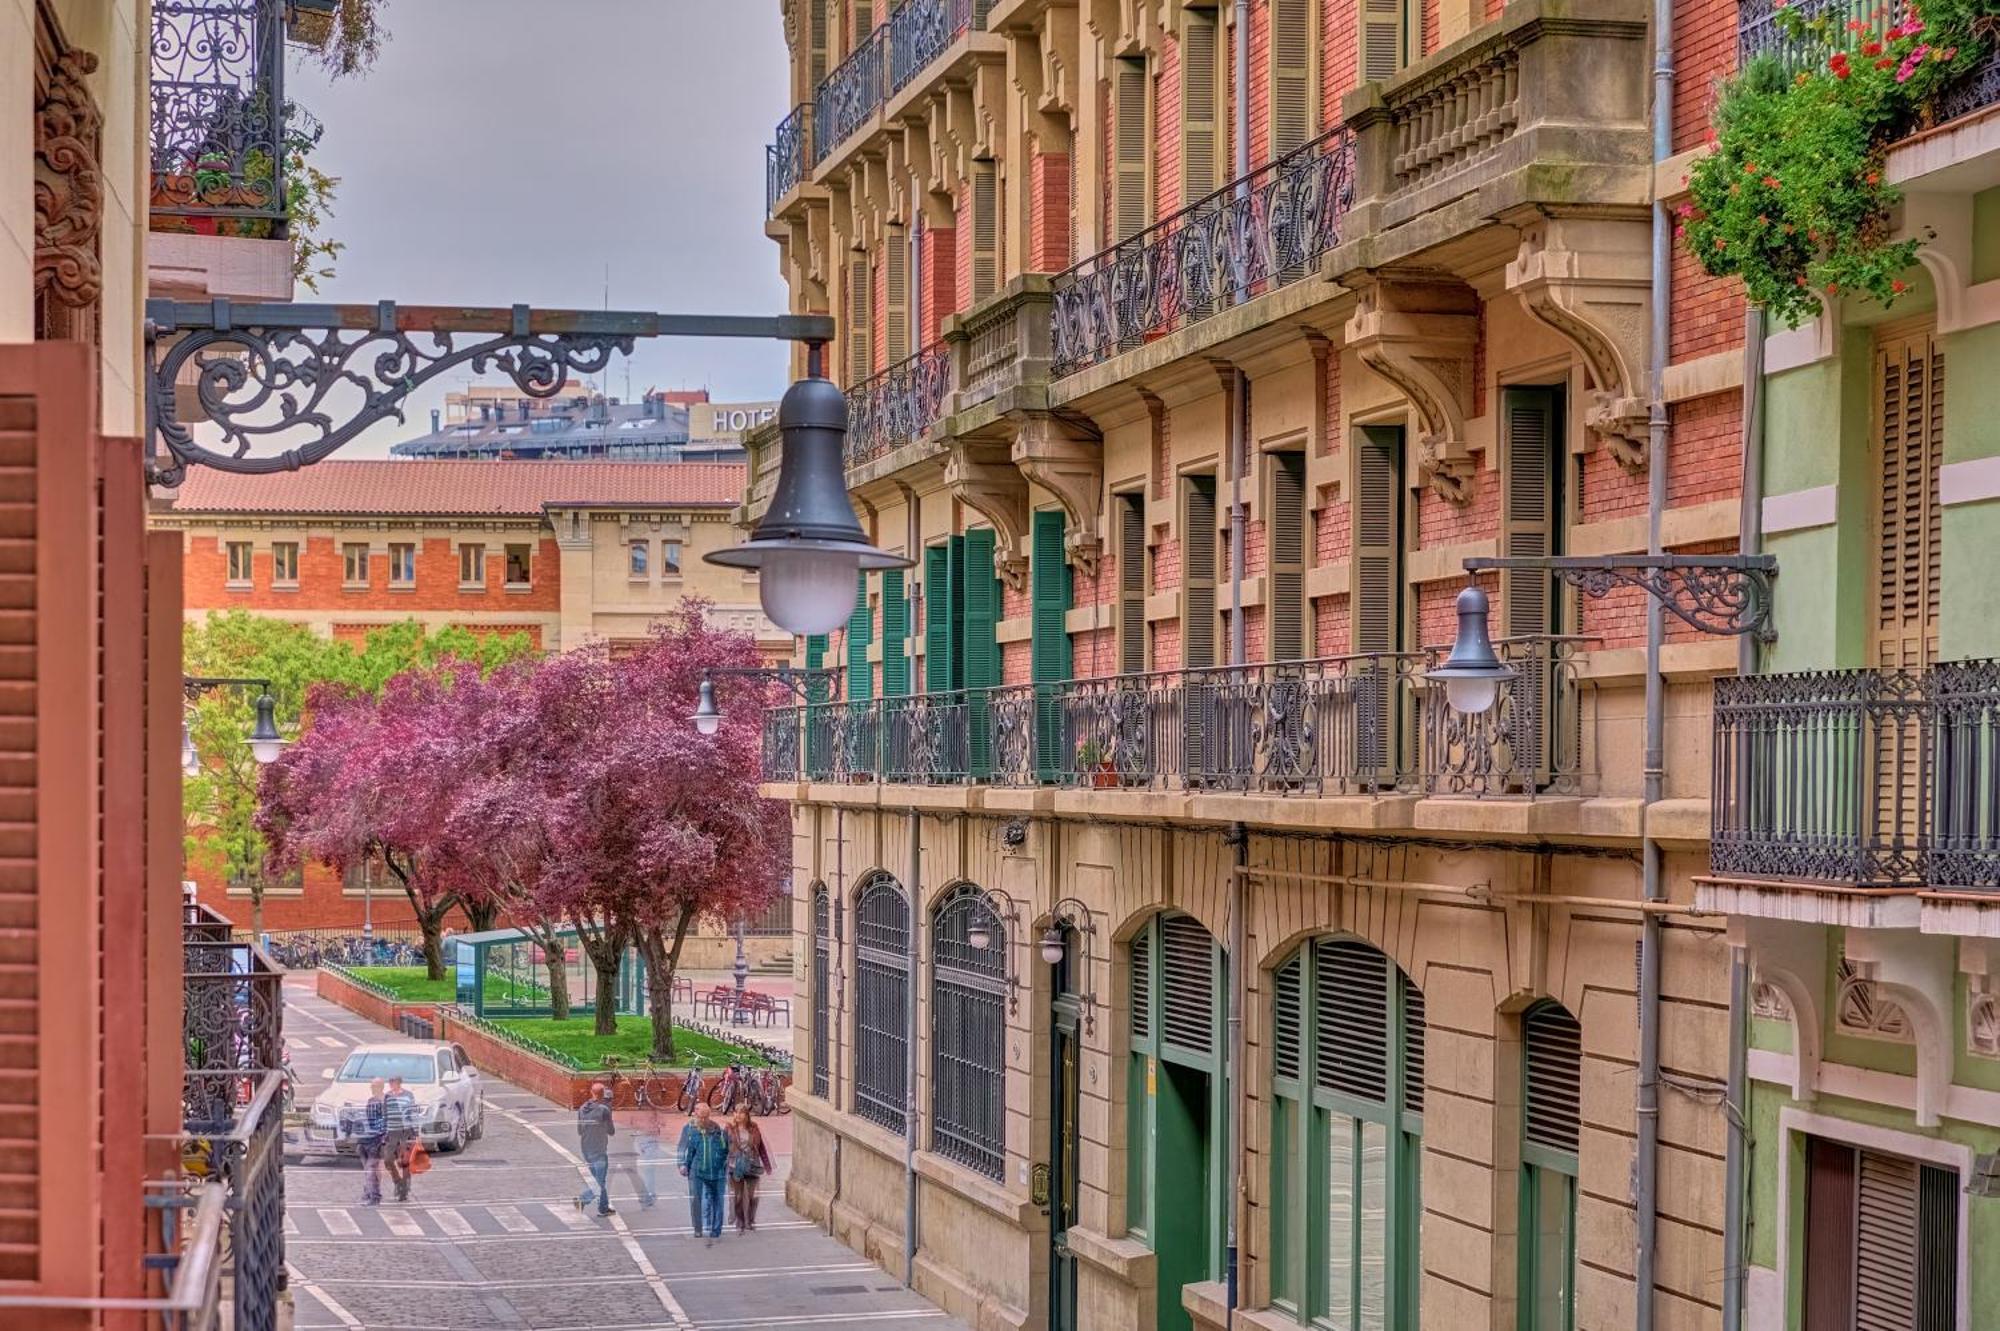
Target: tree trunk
257,914
554,963
430,920
433,944
662,962
480,915
605,950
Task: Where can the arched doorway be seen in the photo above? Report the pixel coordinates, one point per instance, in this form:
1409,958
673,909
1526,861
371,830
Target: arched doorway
1065,1103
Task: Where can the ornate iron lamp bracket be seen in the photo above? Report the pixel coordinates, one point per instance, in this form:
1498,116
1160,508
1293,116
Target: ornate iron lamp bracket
1726,595
323,374
1007,914
798,680
1076,915
195,687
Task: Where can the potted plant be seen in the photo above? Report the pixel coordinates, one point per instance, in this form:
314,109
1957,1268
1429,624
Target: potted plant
1093,759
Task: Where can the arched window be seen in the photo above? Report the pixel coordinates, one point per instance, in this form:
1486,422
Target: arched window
1551,1089
822,1000
1347,1075
882,1002
968,1033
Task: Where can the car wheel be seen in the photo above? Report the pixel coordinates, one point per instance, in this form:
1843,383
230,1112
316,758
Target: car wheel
478,1124
456,1142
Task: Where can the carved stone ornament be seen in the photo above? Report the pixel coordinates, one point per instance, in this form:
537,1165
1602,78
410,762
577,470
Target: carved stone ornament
1069,464
1982,1020
982,476
69,187
1767,1002
1419,334
1588,279
1859,1010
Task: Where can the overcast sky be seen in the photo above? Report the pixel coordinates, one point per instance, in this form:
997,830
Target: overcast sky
507,151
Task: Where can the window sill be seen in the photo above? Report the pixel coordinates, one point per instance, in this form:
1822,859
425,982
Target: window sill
237,587
354,586
520,588
284,586
402,586
473,588
638,579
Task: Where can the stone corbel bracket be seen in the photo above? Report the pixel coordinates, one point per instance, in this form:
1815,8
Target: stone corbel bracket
1420,335
68,182
982,475
1588,279
1791,959
1918,973
1068,461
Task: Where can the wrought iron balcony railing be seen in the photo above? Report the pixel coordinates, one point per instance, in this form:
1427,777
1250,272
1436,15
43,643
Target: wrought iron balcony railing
232,1027
854,91
218,116
1866,778
1528,743
897,405
922,30
785,157
202,924
1251,236
245,1153
1761,30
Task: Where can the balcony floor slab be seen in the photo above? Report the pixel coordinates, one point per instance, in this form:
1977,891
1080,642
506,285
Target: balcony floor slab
1960,914
1810,903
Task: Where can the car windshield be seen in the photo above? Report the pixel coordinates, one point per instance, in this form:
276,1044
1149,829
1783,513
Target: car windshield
368,1064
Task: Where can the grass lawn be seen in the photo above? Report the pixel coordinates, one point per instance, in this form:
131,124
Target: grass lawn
412,984
634,1040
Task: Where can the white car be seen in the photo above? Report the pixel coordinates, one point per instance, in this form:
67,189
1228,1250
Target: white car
451,1099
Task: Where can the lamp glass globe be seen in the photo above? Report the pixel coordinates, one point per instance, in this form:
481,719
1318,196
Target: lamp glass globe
708,722
979,936
1052,947
266,751
1472,695
808,591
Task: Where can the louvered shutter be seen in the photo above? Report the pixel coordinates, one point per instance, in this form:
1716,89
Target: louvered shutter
985,230
896,281
859,326
860,632
1200,107
1285,542
1291,75
1351,1019
895,635
1375,605
937,620
1286,1019
1527,596
1198,557
1552,1077
1885,1244
813,750
1382,48
1049,645
1131,583
1188,986
955,612
1142,986
1937,1263
1130,150
981,654
816,68
1414,1031
864,20
1909,381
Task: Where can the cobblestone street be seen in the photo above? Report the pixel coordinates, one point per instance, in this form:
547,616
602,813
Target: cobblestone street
492,1238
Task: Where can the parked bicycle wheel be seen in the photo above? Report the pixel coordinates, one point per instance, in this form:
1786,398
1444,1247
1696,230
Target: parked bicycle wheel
723,1094
690,1093
775,1095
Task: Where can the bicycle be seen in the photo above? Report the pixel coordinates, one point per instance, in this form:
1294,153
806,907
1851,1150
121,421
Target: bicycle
642,1093
771,1091
690,1088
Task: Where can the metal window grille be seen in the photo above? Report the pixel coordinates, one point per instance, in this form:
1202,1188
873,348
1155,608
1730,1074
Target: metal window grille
882,1003
968,1034
822,1007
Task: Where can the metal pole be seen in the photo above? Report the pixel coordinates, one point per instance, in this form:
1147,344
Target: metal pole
1737,1146
1239,890
1646,1171
742,969
1239,408
910,1061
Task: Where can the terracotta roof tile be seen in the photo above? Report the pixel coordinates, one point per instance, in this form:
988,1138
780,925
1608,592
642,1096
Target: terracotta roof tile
460,488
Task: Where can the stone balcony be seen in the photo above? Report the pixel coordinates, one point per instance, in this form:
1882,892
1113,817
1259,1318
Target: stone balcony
1543,108
917,48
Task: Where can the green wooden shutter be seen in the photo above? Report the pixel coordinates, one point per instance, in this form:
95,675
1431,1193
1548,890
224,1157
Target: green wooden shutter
982,643
1285,533
1131,142
860,632
1291,75
955,576
818,692
895,633
937,619
1049,647
1132,583
1200,118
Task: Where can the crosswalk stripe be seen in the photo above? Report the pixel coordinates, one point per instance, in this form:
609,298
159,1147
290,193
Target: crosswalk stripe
291,1225
330,1042
339,1222
295,1042
450,1221
510,1219
569,1215
402,1224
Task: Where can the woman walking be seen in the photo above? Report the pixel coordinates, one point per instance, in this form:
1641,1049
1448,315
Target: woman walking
748,1163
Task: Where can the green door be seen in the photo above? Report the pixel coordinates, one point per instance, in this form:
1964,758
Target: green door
1063,1110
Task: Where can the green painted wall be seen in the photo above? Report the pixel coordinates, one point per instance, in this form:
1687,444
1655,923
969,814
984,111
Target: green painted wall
1970,596
1986,235
1968,1068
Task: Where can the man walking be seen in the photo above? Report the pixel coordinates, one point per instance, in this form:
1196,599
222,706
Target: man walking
704,1157
594,1130
399,1138
367,1124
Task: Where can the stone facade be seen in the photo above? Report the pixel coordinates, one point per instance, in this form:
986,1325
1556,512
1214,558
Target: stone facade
1442,354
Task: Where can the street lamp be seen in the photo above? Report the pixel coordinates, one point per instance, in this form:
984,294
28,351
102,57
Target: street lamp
1472,674
809,548
265,741
707,714
1075,915
190,760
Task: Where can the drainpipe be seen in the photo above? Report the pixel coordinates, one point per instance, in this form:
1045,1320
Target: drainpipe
1239,889
1239,408
837,966
910,1063
1751,541
1646,1180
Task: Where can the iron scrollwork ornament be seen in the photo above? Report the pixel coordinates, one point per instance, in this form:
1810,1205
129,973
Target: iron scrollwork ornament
257,383
1724,595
